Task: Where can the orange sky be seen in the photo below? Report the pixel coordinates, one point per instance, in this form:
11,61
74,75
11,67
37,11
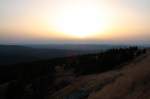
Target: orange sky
74,20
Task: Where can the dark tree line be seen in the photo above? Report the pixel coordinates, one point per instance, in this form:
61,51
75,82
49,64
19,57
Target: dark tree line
108,60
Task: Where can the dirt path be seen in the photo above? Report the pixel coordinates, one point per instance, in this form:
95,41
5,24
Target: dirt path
133,84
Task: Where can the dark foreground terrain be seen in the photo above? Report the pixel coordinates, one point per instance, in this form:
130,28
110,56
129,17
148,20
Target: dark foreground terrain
112,74
130,82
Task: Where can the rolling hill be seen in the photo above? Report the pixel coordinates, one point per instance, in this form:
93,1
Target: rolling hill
12,54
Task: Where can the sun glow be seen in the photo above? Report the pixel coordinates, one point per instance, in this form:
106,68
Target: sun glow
81,22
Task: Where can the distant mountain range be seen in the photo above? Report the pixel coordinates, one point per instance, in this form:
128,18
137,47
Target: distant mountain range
83,47
11,54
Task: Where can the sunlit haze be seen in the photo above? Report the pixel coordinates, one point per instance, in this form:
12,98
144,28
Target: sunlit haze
65,21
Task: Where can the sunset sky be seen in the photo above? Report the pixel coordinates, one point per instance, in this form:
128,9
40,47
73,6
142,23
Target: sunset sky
80,21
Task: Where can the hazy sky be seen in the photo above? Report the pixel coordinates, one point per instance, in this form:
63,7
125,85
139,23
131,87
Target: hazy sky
81,21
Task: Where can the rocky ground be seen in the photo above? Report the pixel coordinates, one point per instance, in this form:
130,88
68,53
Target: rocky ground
130,82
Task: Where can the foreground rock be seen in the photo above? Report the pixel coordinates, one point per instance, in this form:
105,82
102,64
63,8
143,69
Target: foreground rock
130,82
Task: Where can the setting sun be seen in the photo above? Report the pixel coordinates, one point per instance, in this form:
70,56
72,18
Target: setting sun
74,21
81,22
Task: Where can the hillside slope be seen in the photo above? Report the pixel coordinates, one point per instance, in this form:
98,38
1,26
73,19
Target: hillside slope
133,84
130,82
